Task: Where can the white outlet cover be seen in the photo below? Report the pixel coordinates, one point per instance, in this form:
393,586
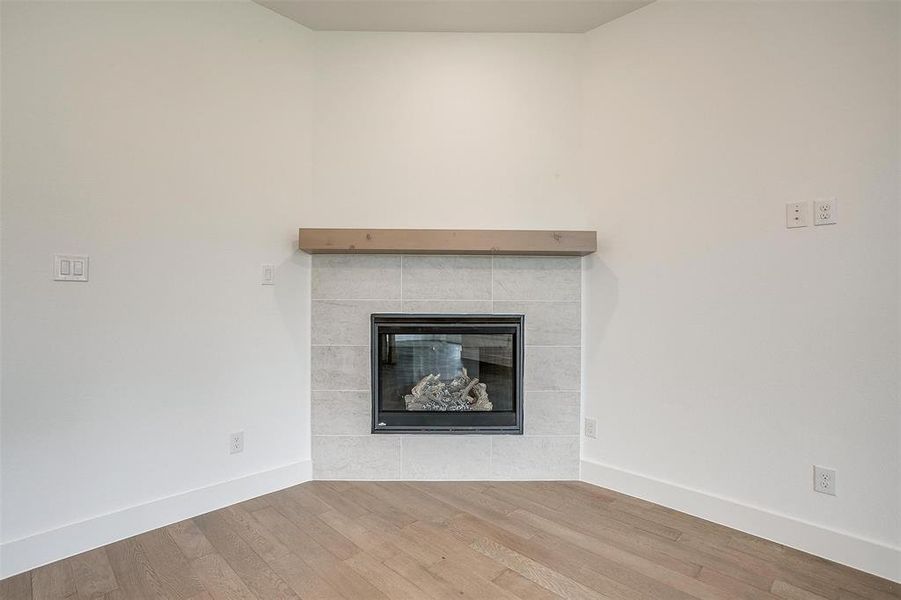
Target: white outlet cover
796,214
70,267
236,442
824,211
824,480
591,428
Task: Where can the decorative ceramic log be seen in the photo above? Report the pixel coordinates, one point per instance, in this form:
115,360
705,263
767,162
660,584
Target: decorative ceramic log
460,393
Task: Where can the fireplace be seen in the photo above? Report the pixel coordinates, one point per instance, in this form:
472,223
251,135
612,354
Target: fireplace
447,373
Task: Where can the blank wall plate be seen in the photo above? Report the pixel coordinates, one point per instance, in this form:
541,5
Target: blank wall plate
70,267
824,480
796,214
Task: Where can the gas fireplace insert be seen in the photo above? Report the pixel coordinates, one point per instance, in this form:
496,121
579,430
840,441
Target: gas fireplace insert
447,373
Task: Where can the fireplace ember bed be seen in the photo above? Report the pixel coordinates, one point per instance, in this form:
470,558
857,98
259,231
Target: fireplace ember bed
447,373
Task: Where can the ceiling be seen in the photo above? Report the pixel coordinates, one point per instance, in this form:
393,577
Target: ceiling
538,16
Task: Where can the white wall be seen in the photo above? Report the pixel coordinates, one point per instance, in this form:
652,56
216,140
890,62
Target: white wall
726,354
171,143
446,130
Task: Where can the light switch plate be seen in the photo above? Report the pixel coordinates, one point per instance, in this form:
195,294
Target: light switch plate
824,211
796,214
70,267
267,276
591,428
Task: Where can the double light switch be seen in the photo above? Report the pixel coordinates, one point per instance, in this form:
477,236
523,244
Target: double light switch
67,267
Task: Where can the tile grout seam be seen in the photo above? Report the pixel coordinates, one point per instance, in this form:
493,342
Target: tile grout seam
367,346
473,300
400,466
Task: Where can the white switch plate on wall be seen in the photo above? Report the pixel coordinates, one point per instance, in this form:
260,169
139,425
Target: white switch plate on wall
591,428
824,211
70,267
267,274
796,214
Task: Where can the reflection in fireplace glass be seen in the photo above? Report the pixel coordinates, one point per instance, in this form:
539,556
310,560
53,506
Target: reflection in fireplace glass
447,372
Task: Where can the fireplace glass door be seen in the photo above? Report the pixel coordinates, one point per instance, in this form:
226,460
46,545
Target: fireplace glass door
447,373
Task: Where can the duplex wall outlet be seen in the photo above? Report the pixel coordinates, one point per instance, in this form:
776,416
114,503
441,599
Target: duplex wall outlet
824,212
591,428
68,267
236,442
824,480
796,214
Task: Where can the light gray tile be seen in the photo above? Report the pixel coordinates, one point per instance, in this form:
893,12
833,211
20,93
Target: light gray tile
524,457
341,413
346,322
447,306
447,278
356,457
446,457
338,276
551,413
552,369
340,367
548,323
544,278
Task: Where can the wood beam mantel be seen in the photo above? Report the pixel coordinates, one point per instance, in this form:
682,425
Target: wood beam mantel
448,241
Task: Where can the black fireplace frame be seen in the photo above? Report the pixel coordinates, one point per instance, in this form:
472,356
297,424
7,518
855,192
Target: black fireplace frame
452,422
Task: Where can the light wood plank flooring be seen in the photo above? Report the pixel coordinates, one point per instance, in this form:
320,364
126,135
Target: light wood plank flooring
441,541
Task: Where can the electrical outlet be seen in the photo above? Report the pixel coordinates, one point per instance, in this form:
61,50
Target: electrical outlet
591,428
796,214
824,212
236,442
824,480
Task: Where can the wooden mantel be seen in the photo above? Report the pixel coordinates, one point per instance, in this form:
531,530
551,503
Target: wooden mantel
448,241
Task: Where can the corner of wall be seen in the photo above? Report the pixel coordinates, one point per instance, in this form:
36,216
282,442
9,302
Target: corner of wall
840,546
21,555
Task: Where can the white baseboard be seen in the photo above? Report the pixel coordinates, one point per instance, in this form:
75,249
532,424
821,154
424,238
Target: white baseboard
866,555
39,549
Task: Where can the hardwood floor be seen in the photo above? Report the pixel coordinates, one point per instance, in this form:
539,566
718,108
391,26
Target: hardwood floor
421,541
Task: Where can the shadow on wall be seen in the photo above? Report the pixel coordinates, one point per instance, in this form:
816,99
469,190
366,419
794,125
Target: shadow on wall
291,274
600,299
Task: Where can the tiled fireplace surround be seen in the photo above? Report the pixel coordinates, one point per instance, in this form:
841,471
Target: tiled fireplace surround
346,289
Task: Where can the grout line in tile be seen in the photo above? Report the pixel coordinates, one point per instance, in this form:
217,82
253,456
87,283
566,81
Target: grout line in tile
491,447
367,345
428,435
529,391
339,345
491,299
553,345
355,299
492,283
